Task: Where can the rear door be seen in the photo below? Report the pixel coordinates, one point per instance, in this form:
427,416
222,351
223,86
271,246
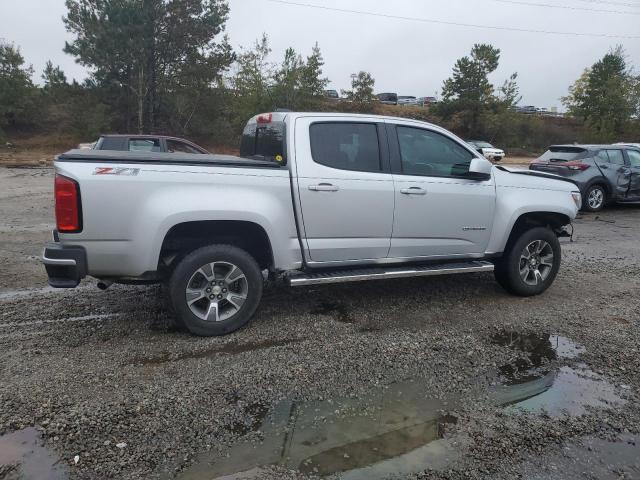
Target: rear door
615,168
345,189
634,164
440,211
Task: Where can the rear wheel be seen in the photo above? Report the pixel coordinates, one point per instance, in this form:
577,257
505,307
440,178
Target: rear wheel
531,263
215,290
595,198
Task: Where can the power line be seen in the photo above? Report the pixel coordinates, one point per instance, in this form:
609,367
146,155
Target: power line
566,7
456,24
619,4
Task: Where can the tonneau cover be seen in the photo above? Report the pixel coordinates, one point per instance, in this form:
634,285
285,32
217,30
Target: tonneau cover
158,158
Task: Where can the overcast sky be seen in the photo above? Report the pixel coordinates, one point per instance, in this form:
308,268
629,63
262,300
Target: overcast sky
407,57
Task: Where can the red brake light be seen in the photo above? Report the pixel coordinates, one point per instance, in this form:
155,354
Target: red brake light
576,165
265,118
67,195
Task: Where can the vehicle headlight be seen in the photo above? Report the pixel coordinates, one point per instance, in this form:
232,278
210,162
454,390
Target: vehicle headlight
577,199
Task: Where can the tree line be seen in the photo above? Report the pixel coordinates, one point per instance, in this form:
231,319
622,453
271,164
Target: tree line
166,66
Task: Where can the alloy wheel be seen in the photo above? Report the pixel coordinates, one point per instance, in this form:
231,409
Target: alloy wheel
595,198
536,262
217,291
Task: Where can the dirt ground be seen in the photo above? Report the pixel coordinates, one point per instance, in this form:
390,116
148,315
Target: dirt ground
443,377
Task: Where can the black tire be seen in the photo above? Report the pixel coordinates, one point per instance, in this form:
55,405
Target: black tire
509,269
597,191
187,272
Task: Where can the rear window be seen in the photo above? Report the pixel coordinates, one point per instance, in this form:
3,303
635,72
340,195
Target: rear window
264,142
564,154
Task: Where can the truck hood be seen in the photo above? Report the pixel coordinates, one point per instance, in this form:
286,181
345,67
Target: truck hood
533,180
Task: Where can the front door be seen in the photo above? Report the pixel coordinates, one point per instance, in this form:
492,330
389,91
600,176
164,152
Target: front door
345,190
440,212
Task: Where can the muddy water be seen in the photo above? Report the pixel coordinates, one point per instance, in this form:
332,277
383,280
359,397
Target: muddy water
531,383
23,456
397,430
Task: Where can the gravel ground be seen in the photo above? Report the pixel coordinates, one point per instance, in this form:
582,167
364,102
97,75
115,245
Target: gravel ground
116,392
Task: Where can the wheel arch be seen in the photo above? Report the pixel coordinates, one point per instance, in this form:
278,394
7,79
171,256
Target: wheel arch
526,221
188,236
599,181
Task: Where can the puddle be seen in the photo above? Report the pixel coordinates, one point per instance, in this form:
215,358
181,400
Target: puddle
568,391
603,460
29,292
231,348
398,430
535,351
23,456
337,310
84,318
531,383
394,431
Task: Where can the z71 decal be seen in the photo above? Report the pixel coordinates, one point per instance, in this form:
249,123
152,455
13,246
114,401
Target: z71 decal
127,172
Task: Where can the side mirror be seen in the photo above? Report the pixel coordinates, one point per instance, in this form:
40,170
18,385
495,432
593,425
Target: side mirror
480,169
481,150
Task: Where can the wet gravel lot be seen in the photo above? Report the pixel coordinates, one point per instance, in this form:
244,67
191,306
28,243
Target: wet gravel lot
537,388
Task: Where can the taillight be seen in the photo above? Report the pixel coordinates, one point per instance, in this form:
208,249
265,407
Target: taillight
67,195
264,118
576,166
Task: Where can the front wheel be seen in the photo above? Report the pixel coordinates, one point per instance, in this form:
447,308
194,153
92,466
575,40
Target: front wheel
531,263
215,290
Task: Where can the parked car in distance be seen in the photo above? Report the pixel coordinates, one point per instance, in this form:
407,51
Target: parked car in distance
147,143
388,98
489,151
332,94
406,199
424,101
407,100
604,173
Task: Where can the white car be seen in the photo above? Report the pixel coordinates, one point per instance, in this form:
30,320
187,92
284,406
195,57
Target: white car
407,100
489,151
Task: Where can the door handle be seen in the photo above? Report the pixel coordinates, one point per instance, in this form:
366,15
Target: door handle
324,187
413,191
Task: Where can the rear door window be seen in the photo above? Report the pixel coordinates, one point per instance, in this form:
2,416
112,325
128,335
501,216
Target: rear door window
264,142
144,145
346,146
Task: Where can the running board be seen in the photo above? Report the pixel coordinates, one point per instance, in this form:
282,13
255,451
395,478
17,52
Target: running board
381,273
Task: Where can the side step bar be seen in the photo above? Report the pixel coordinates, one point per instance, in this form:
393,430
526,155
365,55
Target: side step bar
382,273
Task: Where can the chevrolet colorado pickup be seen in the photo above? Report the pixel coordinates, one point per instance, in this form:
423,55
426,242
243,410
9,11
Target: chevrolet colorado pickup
312,199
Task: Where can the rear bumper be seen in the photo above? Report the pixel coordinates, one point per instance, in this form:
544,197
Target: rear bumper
65,265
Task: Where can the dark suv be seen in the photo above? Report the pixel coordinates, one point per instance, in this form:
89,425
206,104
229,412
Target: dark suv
604,173
147,143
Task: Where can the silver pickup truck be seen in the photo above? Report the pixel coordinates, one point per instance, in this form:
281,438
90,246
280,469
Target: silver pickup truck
312,199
